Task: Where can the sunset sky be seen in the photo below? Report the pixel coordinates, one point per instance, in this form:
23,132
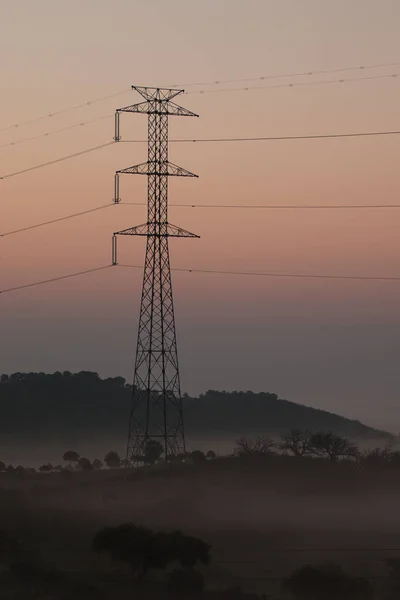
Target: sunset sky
331,344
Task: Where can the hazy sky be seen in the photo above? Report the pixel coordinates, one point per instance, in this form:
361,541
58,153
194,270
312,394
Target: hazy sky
331,344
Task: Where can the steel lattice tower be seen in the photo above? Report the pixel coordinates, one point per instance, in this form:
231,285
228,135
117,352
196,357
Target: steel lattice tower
156,412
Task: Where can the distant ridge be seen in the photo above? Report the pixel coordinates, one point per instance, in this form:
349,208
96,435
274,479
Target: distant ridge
39,404
266,413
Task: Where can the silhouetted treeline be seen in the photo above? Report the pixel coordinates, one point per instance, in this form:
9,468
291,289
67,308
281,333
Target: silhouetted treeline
39,403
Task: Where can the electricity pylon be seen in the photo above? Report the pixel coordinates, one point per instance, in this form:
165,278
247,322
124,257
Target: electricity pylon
156,412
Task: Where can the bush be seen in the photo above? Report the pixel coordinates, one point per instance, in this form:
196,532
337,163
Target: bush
198,457
71,456
144,549
46,468
112,460
153,452
188,581
9,548
254,446
85,464
327,582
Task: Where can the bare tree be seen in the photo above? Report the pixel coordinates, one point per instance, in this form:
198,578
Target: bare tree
332,446
254,446
297,442
378,456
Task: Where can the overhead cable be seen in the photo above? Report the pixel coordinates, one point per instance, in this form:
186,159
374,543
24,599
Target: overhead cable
210,140
64,110
52,279
287,75
292,85
55,131
213,272
322,136
289,275
278,206
65,218
57,160
309,73
207,206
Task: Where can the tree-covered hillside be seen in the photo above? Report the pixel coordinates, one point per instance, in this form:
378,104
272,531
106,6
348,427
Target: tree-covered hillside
39,404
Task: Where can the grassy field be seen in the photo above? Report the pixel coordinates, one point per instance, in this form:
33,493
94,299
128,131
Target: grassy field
263,518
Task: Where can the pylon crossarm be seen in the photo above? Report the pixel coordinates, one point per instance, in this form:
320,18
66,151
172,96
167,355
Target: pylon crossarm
158,108
176,171
141,107
156,229
154,168
160,94
179,111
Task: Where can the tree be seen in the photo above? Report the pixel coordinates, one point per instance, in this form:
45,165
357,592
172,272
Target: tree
198,457
255,446
97,464
378,456
112,460
20,470
85,464
153,452
327,582
211,455
185,582
9,548
394,577
332,446
144,549
46,468
2,466
39,581
130,544
71,456
188,550
297,442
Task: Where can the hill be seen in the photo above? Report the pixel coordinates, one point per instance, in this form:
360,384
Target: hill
47,404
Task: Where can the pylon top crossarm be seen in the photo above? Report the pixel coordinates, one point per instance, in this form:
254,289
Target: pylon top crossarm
157,102
160,94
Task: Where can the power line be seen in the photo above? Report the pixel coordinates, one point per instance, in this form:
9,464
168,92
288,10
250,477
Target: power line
57,160
55,131
292,85
211,140
209,271
279,206
207,206
290,275
65,218
74,107
81,124
51,280
276,138
64,110
286,75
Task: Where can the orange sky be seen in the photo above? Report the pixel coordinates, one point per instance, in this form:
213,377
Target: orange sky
334,345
